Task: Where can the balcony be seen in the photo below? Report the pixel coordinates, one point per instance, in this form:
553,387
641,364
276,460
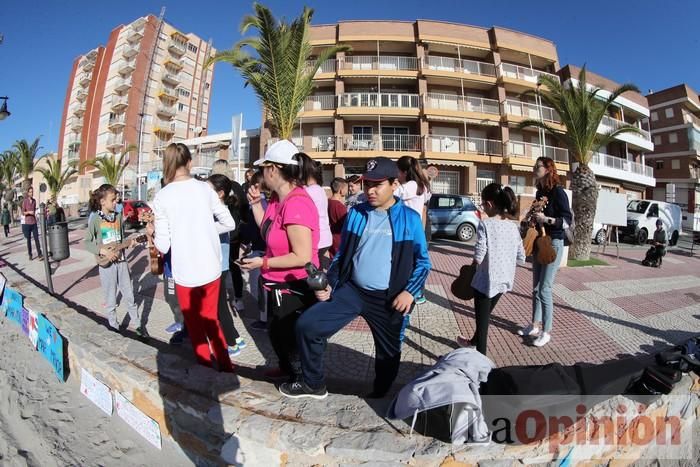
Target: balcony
119,103
170,78
76,124
461,145
605,165
327,67
87,65
129,51
320,106
84,79
373,103
117,122
134,33
164,127
383,64
78,109
115,142
641,140
372,143
81,95
126,67
72,155
521,76
518,111
447,65
174,63
168,94
167,110
531,152
484,110
73,142
122,85
177,48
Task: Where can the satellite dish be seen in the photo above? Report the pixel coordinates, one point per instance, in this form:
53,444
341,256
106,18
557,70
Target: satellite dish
42,188
198,130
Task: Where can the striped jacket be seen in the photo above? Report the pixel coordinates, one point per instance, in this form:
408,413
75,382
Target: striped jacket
410,263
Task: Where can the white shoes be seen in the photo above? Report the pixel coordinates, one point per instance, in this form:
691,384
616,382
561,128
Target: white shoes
541,341
529,330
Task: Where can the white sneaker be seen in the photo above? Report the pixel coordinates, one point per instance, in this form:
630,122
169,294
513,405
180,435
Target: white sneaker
529,330
238,304
541,341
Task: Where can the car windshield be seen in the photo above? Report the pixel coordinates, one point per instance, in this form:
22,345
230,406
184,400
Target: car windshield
638,207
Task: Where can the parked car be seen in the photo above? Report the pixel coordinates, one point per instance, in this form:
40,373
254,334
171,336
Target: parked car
642,216
132,213
83,211
453,215
599,233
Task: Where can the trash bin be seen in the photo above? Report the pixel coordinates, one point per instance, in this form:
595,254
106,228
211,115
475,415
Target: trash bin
58,241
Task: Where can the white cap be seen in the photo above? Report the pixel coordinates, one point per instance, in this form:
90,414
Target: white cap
282,152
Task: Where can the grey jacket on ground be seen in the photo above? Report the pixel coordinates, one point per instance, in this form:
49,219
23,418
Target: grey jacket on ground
453,380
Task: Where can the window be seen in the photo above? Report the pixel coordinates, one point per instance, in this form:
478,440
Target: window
192,48
180,107
446,202
669,112
675,164
517,183
657,140
659,165
183,92
654,116
673,137
206,85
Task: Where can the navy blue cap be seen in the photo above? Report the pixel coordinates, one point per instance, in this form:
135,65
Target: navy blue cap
380,169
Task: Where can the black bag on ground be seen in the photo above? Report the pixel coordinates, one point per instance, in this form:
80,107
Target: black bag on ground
655,380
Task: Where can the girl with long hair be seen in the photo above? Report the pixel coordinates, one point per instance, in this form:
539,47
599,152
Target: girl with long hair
313,178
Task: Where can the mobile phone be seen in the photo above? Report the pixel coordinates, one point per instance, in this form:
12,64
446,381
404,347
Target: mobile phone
252,254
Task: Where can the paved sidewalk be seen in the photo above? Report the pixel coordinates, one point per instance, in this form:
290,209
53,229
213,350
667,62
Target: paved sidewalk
600,313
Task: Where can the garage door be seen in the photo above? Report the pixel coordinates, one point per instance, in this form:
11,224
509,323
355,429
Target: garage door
446,183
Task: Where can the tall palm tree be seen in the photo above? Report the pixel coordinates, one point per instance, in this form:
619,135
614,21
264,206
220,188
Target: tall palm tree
28,155
56,177
581,110
279,70
8,170
111,166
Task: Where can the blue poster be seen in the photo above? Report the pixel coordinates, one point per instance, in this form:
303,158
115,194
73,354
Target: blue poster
13,305
50,345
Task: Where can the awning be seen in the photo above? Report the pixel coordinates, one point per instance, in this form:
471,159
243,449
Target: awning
449,163
522,168
472,121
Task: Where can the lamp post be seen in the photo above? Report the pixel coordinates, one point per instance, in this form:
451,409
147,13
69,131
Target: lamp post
4,113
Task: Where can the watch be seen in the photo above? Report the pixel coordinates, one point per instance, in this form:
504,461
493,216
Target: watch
264,264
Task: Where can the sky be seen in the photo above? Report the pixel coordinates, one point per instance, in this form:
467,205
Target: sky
653,44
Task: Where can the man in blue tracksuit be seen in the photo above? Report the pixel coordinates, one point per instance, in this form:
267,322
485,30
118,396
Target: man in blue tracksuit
380,268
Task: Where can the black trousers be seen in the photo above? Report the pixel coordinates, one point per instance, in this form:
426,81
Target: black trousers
30,230
483,306
226,319
283,311
236,275
7,229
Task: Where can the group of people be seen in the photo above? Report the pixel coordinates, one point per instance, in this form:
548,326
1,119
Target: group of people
369,236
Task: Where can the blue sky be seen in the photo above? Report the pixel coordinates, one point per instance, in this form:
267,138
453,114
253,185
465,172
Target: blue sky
653,44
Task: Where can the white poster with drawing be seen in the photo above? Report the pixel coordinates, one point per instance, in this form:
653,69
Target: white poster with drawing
139,421
32,327
95,390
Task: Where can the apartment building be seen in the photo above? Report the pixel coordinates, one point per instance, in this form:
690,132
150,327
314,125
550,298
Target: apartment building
675,129
146,87
621,165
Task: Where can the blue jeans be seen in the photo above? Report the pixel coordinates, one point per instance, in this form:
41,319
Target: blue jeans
542,280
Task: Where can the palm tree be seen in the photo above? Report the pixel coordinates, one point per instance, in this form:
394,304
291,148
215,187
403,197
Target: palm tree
27,154
279,72
55,177
110,166
581,110
8,170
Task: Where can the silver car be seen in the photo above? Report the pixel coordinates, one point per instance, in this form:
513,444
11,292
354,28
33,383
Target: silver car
453,215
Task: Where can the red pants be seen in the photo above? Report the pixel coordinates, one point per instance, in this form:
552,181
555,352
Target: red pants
200,308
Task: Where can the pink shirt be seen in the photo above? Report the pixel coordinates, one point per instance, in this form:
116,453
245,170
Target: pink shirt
297,209
320,198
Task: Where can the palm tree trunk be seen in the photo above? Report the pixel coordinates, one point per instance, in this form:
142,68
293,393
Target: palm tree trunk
585,199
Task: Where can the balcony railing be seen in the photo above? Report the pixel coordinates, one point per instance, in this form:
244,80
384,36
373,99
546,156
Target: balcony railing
462,145
177,47
81,95
406,143
327,66
529,110
533,151
134,33
508,70
167,93
119,102
438,63
129,51
117,121
322,102
171,78
74,141
84,79
608,124
76,124
72,155
454,102
382,62
122,84
164,126
115,141
374,99
606,160
174,63
126,66
87,65
168,110
78,109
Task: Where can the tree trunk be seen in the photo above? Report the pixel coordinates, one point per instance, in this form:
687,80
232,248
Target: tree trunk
585,199
26,183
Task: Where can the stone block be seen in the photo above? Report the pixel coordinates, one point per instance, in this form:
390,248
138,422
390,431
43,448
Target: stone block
241,451
371,447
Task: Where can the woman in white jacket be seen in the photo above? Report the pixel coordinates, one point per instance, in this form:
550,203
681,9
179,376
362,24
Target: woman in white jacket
185,210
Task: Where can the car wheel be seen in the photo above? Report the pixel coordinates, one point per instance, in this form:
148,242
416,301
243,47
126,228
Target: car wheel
642,236
674,238
465,232
600,237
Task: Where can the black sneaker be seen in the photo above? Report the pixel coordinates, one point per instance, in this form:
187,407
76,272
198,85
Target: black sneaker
258,325
299,389
142,333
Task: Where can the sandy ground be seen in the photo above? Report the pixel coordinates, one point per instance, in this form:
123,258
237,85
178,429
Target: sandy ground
47,423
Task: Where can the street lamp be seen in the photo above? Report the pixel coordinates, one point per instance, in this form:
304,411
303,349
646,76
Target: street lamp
4,113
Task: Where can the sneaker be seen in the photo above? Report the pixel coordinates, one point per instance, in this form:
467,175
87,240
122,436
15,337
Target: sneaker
177,338
173,328
142,333
40,258
234,351
529,330
421,300
464,342
258,325
240,343
238,304
541,341
299,389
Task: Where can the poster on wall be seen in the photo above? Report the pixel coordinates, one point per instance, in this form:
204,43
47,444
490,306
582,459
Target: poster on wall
13,305
95,390
30,325
3,282
139,421
50,345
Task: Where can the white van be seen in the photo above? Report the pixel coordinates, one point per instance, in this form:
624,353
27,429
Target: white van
642,216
